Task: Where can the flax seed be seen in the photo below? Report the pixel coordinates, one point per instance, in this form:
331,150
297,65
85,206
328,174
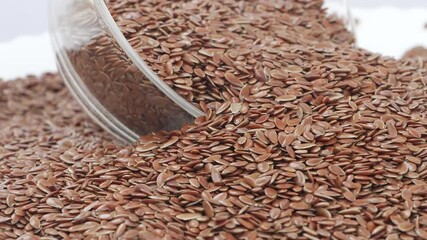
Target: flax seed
304,137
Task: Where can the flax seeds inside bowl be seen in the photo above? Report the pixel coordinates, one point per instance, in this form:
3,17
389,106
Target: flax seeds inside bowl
305,137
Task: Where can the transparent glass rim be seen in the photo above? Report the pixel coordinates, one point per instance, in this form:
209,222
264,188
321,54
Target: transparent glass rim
90,103
140,63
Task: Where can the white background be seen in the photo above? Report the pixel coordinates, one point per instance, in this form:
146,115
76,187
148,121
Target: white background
24,42
25,45
19,17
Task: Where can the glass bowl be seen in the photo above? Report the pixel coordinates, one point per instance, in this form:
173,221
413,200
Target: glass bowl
105,74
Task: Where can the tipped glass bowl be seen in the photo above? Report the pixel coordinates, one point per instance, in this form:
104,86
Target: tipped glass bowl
110,80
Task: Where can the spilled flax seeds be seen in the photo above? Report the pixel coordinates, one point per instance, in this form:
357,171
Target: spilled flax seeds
306,139
204,50
416,52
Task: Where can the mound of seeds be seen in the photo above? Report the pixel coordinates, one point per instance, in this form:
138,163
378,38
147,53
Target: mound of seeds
202,48
205,50
349,168
43,133
316,140
416,52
